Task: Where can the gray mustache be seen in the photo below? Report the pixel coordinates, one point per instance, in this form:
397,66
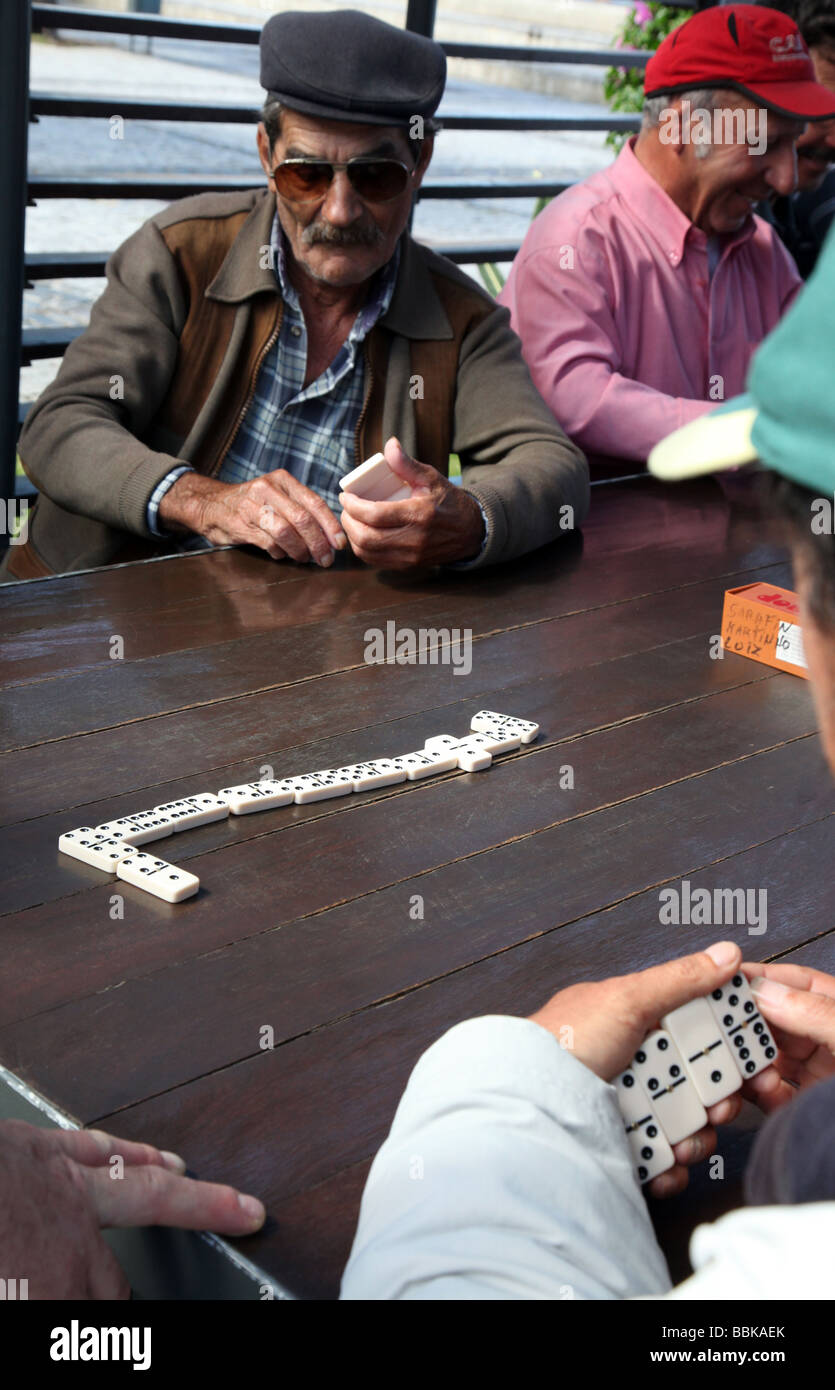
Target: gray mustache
328,235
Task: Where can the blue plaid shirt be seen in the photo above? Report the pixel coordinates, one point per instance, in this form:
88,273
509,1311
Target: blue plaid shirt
310,430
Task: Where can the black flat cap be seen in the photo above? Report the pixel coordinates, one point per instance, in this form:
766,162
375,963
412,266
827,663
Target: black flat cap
348,66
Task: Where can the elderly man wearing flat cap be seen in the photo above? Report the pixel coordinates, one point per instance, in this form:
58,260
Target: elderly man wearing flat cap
672,281
252,348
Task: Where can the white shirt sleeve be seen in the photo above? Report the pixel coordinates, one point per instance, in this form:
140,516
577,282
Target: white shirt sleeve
506,1175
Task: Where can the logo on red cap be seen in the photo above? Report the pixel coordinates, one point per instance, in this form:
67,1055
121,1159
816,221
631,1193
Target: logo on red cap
745,48
787,46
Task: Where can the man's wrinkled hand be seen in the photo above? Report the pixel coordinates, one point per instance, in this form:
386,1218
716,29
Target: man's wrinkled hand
438,525
273,511
58,1188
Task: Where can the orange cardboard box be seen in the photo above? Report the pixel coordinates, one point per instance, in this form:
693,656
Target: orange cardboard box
762,621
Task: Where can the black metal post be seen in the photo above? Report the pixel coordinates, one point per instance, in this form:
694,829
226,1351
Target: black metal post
420,16
14,121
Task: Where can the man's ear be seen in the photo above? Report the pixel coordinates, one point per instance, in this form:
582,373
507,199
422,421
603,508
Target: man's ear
426,152
265,154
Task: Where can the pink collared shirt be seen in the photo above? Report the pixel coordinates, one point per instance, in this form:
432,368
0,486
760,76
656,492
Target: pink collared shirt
626,334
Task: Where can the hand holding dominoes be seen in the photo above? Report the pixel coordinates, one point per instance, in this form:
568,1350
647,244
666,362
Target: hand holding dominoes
678,1042
399,513
700,1055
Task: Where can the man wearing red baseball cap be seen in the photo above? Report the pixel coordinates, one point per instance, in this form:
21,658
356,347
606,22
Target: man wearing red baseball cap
641,293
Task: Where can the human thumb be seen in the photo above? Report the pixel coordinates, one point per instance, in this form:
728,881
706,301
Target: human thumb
668,986
417,475
801,1012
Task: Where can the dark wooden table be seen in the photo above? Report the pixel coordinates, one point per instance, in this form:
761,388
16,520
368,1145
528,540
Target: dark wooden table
150,1024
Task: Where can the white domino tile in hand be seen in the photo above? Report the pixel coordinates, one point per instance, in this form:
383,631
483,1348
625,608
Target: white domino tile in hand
258,796
659,1067
156,876
472,755
318,786
745,1030
420,764
650,1150
374,480
380,772
90,847
697,1035
488,720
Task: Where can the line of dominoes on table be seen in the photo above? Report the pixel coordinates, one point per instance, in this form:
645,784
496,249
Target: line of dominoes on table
701,1053
113,847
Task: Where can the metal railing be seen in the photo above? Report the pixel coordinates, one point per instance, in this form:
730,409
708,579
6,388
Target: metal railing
18,106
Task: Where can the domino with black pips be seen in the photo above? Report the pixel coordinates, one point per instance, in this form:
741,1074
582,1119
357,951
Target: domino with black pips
471,751
651,1150
258,796
379,772
172,812
153,825
158,877
123,828
418,765
709,1061
743,1027
320,786
441,743
496,740
138,829
660,1069
74,841
473,756
99,851
190,811
488,720
203,809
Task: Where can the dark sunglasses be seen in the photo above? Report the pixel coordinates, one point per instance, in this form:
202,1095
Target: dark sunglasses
375,180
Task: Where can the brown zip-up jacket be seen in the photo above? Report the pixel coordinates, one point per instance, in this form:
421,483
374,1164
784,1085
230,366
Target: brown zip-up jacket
167,367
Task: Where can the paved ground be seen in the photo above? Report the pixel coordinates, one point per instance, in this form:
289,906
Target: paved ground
228,73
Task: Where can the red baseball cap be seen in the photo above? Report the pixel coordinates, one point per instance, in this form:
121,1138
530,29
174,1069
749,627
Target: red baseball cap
747,48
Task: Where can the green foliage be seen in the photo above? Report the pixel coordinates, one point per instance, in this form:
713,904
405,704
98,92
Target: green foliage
624,87
492,277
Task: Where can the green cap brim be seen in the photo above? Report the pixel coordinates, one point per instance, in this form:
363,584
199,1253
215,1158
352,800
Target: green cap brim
711,444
